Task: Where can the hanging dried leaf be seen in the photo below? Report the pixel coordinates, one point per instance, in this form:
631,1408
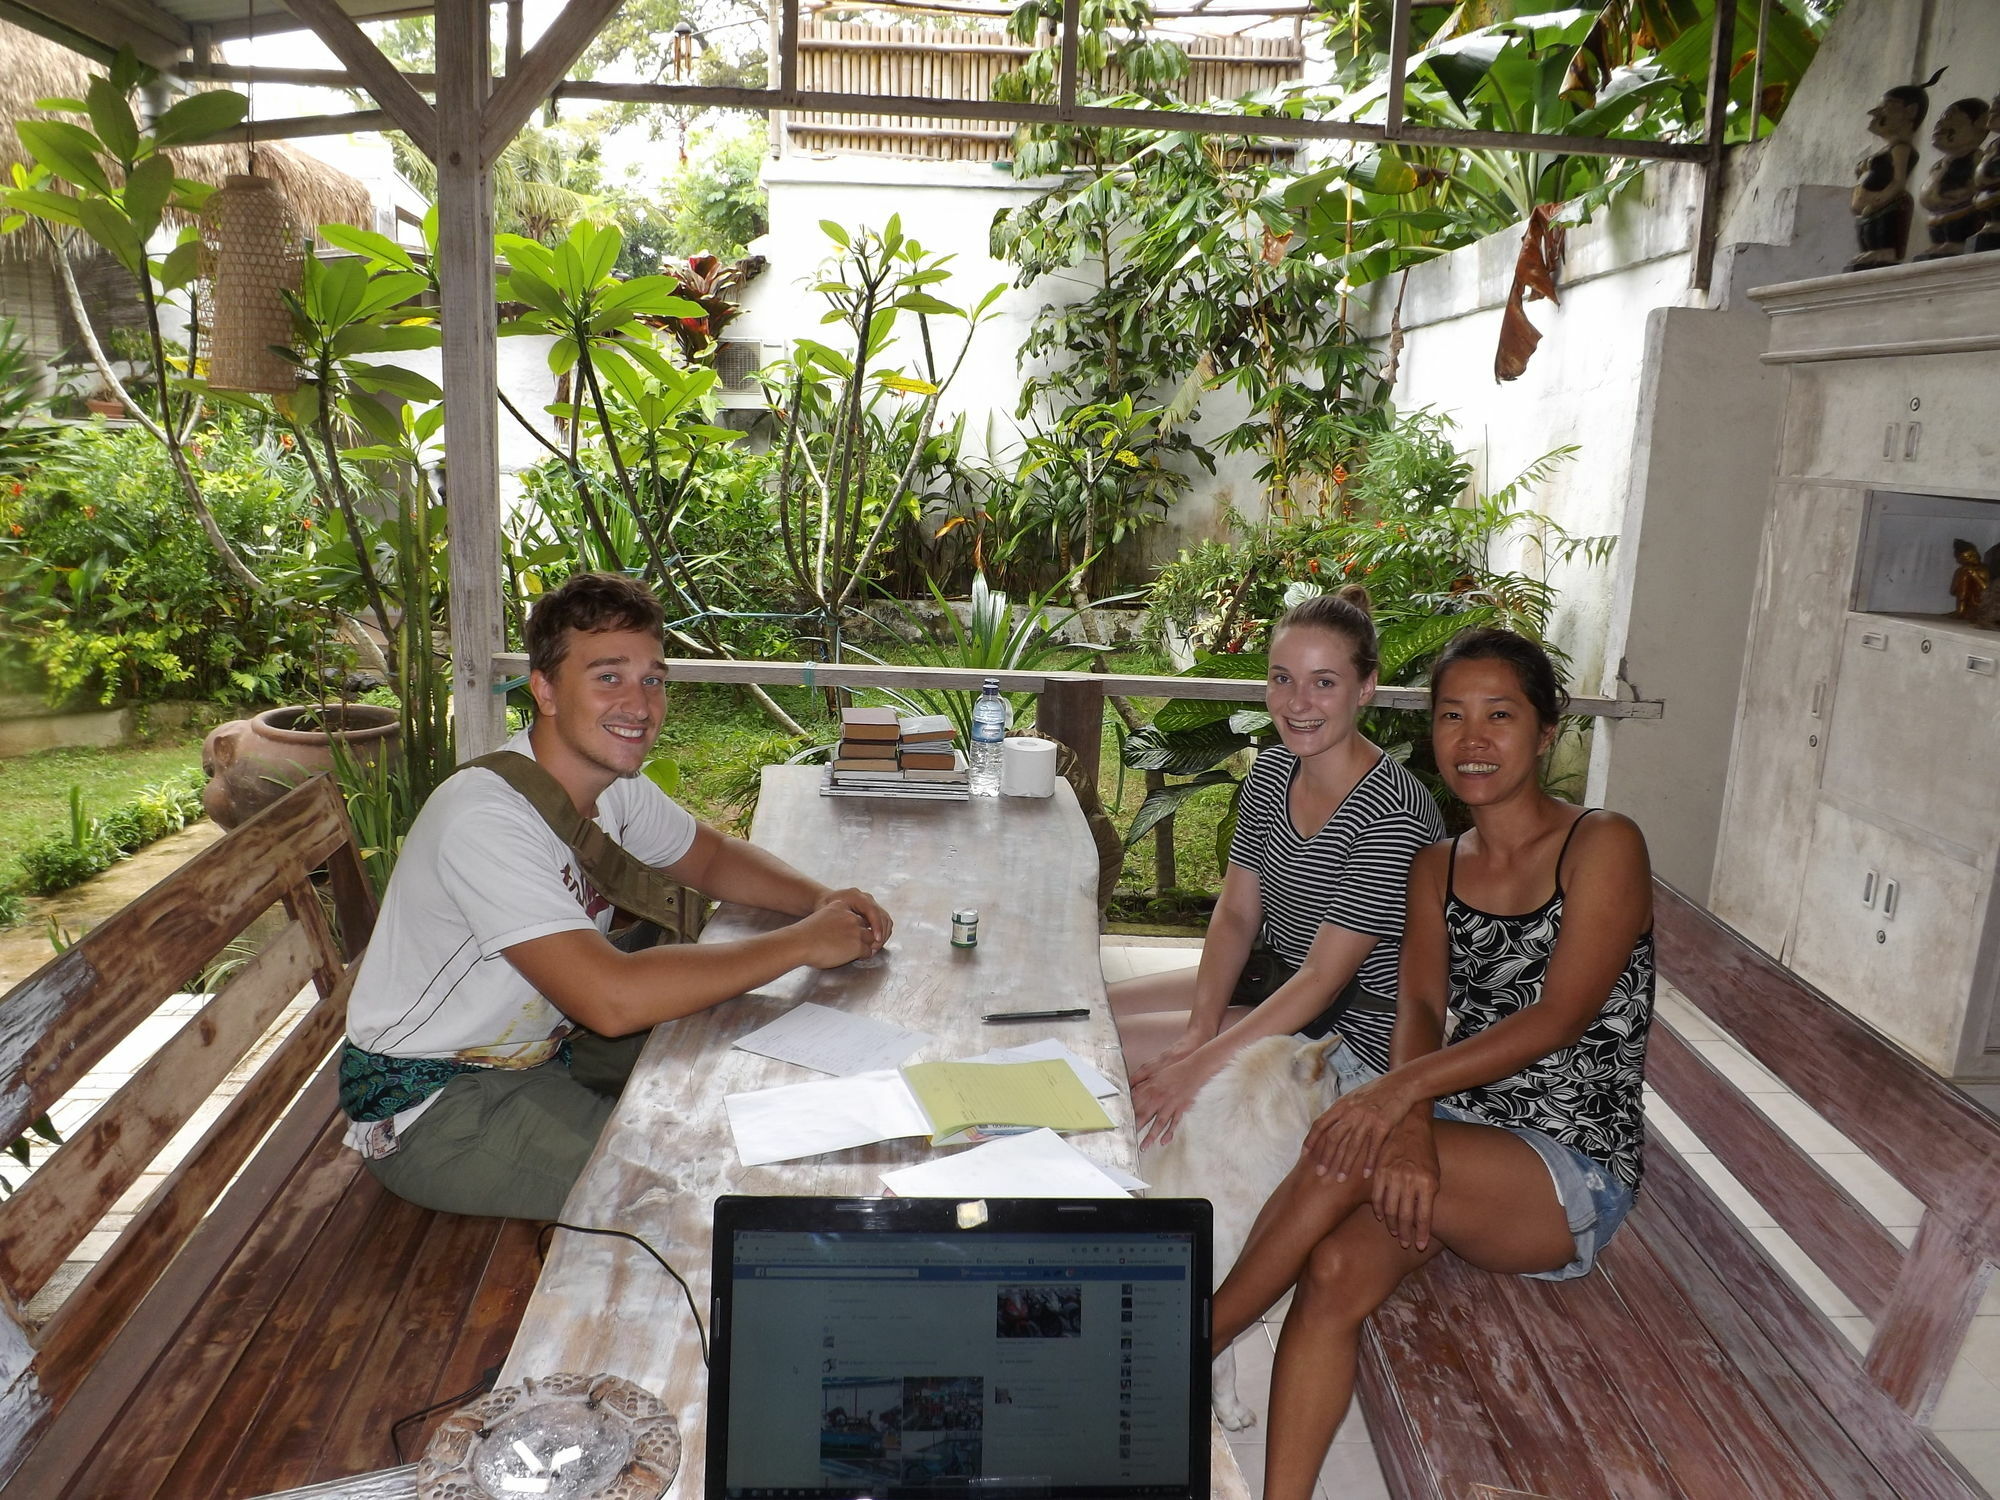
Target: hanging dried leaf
1543,246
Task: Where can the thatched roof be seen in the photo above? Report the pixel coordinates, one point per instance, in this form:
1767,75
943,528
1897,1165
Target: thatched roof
32,67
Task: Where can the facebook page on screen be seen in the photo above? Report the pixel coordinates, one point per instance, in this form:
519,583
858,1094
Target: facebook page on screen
863,1361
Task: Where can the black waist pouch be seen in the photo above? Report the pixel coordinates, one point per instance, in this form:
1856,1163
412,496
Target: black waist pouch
1265,972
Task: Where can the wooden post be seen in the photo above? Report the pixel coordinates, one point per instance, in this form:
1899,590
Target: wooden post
1918,1336
1070,708
471,373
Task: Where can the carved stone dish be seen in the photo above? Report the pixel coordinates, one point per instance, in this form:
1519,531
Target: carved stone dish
563,1437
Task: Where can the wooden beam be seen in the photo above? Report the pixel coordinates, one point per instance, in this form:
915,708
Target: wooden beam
1708,222
1399,58
312,78
277,21
1918,1337
528,86
155,35
1066,57
967,679
55,31
395,93
356,123
1277,127
471,373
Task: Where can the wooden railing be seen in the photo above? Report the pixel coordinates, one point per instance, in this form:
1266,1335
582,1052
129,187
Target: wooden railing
1069,705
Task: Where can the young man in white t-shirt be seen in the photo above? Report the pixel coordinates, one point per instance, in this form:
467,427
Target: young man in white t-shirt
477,1075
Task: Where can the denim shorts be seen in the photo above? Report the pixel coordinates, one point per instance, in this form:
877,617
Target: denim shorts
1594,1201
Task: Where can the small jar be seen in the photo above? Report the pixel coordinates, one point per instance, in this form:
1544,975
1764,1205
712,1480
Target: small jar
965,928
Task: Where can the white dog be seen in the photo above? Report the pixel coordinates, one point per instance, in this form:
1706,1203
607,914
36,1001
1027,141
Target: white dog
1234,1146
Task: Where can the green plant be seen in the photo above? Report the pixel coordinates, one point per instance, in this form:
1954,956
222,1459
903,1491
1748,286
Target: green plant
43,1129
108,589
994,637
856,430
13,906
24,438
117,185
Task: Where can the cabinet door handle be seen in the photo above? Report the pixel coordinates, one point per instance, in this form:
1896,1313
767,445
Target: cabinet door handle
1868,889
1984,665
1912,435
1818,697
1889,441
1890,891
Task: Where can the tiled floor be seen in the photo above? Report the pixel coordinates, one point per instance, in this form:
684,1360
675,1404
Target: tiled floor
1968,1416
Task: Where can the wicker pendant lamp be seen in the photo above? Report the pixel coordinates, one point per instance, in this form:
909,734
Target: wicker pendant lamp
252,249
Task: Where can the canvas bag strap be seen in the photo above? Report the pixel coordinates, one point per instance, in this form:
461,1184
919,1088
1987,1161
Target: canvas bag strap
621,879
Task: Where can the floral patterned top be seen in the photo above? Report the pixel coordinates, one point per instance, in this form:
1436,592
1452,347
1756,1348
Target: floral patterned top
1587,1095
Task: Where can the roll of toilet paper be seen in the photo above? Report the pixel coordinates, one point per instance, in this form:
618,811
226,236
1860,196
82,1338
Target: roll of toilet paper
1028,768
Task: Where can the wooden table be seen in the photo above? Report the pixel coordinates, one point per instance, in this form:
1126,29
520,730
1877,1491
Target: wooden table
1030,869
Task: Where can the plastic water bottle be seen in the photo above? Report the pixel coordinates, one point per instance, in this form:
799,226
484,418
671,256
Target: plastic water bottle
989,733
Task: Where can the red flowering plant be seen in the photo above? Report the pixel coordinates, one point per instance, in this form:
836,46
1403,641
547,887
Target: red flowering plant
707,280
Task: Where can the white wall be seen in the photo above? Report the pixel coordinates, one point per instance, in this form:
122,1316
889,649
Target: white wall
949,207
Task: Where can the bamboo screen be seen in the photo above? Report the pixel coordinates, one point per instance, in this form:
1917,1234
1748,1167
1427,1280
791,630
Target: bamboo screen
844,57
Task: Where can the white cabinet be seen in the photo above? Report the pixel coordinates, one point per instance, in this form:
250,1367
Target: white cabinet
1862,814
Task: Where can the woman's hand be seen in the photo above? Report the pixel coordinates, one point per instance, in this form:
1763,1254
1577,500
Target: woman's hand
1185,1046
1348,1137
1406,1182
1163,1090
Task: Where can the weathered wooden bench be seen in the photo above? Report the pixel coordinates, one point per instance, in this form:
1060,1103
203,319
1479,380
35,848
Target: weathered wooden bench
1693,1367
269,1312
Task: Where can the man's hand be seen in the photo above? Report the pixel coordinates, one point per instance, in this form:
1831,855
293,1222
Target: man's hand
835,934
865,907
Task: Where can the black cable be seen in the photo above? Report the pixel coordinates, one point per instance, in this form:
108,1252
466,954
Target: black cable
542,1252
396,1427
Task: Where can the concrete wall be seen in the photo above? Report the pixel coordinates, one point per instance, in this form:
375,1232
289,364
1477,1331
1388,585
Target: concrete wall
1661,388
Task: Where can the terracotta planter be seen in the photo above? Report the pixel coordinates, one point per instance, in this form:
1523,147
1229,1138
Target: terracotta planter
251,763
104,406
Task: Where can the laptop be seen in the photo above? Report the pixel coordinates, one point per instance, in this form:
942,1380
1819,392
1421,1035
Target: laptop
911,1348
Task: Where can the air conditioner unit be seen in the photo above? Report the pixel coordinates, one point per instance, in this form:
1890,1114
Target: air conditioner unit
737,362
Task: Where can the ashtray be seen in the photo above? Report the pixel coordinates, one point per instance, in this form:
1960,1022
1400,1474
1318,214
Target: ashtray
563,1437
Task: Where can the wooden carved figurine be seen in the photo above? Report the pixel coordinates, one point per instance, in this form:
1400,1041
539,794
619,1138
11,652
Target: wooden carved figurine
1970,582
1881,199
1986,187
1948,188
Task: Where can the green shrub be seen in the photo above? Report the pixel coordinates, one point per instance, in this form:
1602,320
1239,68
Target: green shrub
109,587
56,863
12,907
93,845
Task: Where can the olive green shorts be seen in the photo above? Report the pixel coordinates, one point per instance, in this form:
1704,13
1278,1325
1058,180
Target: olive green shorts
511,1142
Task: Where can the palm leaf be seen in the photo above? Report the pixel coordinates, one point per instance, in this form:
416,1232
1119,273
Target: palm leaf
1164,802
1187,753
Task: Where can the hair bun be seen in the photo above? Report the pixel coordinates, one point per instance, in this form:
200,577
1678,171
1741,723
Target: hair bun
1356,595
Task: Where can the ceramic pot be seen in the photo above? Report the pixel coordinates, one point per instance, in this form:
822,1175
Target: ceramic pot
104,406
251,763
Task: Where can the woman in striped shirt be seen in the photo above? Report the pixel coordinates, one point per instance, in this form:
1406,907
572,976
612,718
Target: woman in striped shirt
1310,921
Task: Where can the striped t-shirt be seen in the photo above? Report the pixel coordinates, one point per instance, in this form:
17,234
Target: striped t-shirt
1354,872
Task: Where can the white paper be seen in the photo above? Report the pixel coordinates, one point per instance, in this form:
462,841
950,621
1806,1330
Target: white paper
805,1119
1049,1049
833,1041
1040,1164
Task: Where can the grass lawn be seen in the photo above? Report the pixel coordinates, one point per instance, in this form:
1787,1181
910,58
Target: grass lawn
34,789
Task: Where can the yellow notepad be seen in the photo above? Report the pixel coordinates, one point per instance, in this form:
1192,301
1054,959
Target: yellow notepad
962,1099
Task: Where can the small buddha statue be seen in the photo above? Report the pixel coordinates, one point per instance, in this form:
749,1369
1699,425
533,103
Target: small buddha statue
1881,201
1986,187
1970,582
1948,193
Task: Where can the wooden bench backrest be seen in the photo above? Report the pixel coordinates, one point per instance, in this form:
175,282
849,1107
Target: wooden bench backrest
1929,1137
63,1020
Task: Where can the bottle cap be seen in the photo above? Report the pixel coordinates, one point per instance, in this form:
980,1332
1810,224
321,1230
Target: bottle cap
965,914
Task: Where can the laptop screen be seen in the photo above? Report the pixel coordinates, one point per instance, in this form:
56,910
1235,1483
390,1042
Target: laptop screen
873,1347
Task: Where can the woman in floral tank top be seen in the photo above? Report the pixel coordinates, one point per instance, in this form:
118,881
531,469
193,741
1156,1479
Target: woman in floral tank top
1515,1143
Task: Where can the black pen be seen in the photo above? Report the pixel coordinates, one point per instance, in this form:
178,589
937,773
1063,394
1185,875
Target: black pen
1036,1015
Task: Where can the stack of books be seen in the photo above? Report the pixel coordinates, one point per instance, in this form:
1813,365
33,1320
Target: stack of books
881,755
